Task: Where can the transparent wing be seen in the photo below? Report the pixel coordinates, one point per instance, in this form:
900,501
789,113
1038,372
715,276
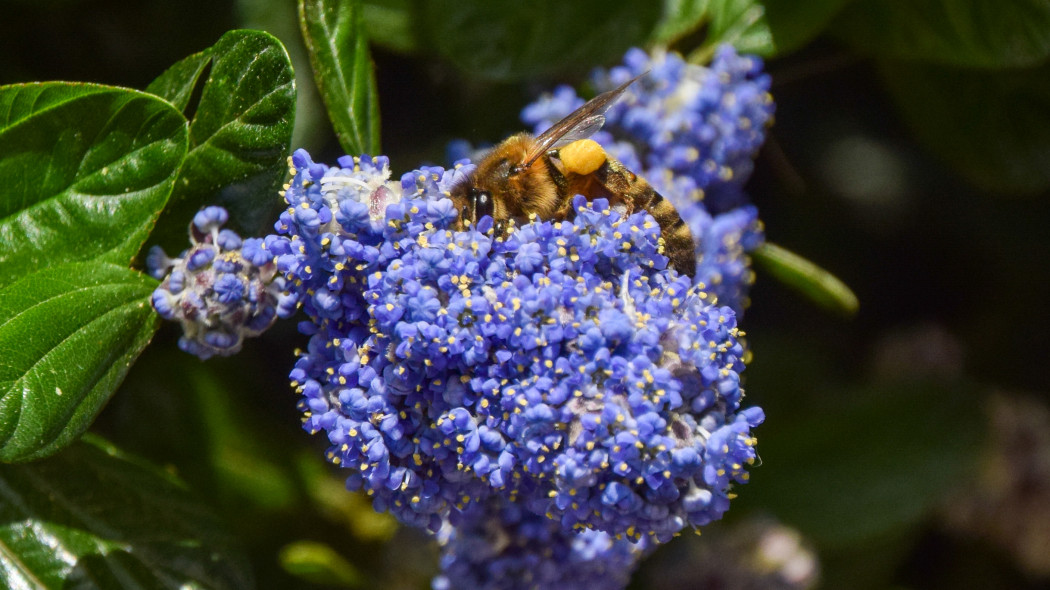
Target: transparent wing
584,129
579,124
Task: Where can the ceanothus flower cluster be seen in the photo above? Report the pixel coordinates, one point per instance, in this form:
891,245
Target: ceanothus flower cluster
502,546
562,368
551,403
692,132
221,290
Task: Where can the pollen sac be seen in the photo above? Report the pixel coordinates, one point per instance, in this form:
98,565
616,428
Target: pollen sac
583,156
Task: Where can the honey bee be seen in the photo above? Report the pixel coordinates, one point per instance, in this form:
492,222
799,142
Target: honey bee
526,175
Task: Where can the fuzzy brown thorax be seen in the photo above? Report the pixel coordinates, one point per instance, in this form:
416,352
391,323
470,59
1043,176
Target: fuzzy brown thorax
516,191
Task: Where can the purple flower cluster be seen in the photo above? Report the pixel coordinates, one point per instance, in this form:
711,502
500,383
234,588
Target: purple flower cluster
222,289
550,403
502,546
692,132
561,368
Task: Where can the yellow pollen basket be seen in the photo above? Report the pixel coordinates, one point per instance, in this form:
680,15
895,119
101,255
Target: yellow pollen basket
583,156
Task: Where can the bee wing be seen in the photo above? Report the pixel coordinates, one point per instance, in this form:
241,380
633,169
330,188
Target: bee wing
582,130
579,124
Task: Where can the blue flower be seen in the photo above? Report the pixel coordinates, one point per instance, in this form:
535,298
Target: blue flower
563,369
500,546
222,289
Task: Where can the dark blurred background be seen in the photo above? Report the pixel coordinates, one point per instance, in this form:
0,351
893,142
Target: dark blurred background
907,446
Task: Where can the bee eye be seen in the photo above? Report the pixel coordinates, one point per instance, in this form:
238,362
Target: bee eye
483,204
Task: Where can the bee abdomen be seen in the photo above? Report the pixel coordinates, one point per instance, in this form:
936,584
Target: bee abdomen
678,245
678,240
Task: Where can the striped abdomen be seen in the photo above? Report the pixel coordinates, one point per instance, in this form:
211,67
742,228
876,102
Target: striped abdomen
613,181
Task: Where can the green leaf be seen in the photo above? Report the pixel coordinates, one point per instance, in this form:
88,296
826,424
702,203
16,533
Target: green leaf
817,284
992,127
680,17
68,335
796,22
856,465
392,24
86,169
178,82
334,31
94,518
508,39
248,462
976,33
741,23
240,135
318,563
327,490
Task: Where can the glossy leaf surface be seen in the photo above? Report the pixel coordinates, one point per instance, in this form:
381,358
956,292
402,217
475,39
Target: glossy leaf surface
86,169
68,335
240,131
91,517
335,37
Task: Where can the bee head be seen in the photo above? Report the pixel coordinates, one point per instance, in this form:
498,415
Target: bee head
480,201
503,188
486,191
472,201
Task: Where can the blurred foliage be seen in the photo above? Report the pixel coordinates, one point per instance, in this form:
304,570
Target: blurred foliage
822,287
992,127
320,564
910,158
90,501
